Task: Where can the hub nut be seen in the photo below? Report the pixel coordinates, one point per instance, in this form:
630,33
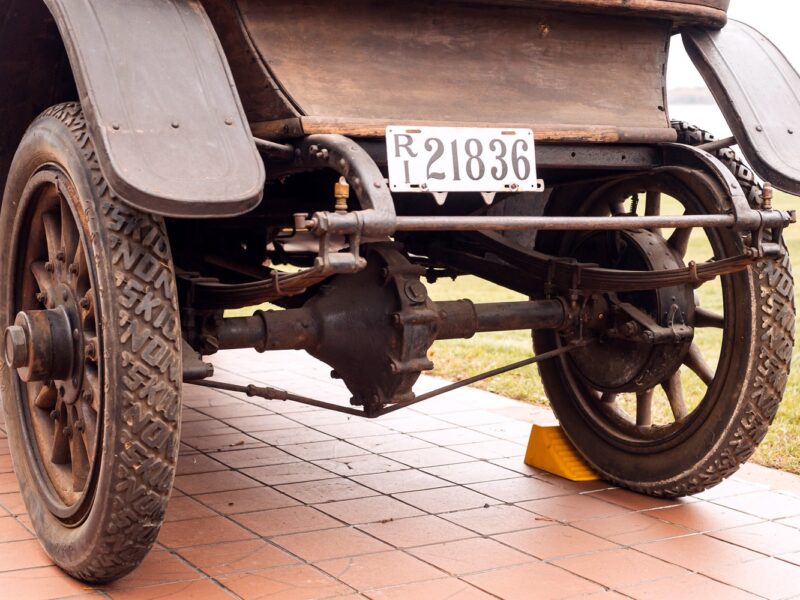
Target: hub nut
16,347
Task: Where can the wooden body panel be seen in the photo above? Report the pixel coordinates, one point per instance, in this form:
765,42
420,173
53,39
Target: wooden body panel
353,66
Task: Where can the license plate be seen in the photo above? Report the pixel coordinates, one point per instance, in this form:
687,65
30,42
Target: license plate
461,159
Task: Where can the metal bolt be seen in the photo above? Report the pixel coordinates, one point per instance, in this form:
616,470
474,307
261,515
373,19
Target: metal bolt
85,304
68,431
630,329
53,415
86,396
41,297
73,269
790,131
48,266
76,334
65,295
79,425
16,347
91,350
61,255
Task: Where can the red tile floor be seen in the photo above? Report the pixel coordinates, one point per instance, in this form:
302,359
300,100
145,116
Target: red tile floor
281,501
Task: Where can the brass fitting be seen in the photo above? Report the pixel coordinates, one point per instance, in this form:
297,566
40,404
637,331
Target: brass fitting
766,196
341,191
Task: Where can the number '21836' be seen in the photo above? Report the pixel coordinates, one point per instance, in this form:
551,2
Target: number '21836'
454,159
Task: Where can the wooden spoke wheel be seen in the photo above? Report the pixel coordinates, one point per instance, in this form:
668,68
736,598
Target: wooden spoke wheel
91,342
674,419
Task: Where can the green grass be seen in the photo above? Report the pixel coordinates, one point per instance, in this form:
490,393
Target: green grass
456,359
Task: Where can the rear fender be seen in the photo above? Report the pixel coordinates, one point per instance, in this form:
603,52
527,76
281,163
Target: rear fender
163,110
758,91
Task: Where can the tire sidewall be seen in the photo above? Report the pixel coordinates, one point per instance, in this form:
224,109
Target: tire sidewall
75,548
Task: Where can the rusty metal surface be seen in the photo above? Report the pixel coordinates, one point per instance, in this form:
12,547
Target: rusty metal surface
758,91
170,131
419,62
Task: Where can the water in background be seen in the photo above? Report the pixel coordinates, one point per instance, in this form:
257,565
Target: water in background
705,116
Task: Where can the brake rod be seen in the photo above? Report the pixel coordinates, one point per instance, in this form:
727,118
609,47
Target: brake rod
271,393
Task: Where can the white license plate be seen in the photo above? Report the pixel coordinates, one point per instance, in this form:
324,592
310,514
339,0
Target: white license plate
461,159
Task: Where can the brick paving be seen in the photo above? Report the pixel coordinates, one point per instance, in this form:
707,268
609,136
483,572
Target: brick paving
281,501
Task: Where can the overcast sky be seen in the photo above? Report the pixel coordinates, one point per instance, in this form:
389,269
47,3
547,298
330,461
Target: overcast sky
777,19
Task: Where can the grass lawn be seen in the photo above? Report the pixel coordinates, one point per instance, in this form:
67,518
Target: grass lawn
456,359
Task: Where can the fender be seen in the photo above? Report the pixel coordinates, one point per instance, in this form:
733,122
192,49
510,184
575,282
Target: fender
758,91
162,107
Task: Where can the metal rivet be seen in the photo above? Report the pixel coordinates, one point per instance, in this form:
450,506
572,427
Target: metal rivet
48,266
228,121
759,128
85,303
53,415
115,126
175,124
790,131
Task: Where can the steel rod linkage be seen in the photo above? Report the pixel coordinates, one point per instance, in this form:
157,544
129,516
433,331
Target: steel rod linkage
271,393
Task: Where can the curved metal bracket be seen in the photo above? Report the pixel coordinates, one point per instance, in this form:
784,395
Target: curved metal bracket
351,161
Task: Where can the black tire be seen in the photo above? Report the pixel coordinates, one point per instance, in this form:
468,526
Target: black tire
733,418
121,506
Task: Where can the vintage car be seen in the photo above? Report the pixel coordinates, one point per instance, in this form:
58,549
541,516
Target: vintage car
164,161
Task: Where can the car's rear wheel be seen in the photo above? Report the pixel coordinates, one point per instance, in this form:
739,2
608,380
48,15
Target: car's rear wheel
696,420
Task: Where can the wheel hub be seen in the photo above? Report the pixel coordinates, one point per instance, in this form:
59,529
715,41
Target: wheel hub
630,360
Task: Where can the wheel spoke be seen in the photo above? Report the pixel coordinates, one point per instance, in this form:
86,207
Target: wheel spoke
52,232
88,428
696,362
60,451
78,460
78,265
679,241
42,276
644,408
674,390
69,233
608,398
706,318
652,208
46,398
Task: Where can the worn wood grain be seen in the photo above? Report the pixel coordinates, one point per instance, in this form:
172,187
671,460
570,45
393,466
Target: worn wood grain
373,128
420,61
